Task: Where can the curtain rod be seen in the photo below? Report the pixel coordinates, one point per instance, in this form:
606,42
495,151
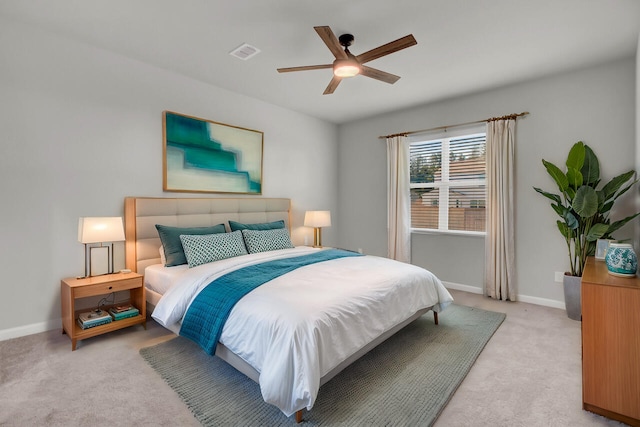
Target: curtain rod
507,117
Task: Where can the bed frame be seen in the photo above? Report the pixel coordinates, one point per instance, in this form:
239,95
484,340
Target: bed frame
141,214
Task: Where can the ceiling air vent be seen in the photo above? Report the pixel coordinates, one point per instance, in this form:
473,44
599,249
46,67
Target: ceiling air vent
245,51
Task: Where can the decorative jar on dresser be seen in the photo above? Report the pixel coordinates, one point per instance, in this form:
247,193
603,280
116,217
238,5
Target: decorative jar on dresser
621,260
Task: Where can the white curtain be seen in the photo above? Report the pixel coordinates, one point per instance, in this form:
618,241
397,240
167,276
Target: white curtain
500,239
398,199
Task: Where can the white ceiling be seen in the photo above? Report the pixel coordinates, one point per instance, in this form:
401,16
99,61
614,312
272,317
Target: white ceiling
464,46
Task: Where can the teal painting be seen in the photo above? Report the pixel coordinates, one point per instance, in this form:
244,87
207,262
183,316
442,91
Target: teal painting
208,157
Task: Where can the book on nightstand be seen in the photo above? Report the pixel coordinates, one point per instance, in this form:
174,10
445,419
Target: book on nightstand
119,315
93,318
121,308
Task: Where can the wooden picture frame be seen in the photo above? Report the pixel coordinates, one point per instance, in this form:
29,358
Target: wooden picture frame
203,156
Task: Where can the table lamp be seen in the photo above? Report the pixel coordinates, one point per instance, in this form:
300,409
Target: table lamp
91,230
317,220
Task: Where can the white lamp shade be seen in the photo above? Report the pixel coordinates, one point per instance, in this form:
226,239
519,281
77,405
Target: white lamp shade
100,229
317,219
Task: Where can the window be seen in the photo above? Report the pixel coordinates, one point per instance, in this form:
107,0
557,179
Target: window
447,181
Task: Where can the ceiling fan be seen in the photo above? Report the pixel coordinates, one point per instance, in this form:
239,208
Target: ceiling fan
349,65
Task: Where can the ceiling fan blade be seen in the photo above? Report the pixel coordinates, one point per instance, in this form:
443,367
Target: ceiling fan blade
386,49
304,68
379,75
331,41
333,84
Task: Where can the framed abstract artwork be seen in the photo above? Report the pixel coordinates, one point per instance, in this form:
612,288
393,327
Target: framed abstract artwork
203,156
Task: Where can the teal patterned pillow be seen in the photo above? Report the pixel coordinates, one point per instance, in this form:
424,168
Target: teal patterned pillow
266,240
170,238
204,248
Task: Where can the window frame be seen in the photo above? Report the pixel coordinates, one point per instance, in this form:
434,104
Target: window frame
445,182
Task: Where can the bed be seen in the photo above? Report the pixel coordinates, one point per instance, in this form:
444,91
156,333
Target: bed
340,323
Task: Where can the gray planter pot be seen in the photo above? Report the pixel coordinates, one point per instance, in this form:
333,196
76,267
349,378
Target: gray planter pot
572,296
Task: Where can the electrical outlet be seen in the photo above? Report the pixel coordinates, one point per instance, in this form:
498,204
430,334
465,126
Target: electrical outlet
559,276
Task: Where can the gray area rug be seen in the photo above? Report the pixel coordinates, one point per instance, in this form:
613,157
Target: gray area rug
405,381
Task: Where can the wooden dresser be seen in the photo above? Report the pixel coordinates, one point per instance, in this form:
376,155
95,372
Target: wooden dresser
610,344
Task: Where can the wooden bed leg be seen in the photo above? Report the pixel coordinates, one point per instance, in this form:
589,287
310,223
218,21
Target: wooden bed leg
299,416
435,317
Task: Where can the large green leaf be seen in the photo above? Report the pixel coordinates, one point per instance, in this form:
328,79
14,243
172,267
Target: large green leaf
624,190
617,224
596,232
551,196
586,202
560,210
614,185
574,177
606,207
564,230
601,199
571,220
591,168
575,159
558,176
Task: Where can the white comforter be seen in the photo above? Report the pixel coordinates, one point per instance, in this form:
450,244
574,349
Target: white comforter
298,327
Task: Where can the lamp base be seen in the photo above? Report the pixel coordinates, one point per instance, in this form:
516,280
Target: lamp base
317,237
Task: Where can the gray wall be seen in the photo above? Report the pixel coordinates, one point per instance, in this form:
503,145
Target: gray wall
82,129
596,105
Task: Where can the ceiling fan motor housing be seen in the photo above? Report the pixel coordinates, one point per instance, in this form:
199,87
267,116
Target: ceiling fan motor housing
346,40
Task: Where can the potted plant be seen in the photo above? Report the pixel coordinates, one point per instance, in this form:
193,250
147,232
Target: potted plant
583,208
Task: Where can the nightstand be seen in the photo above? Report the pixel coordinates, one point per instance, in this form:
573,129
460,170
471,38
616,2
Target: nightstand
72,289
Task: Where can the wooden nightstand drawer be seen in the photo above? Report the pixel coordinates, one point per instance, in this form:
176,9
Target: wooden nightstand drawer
108,287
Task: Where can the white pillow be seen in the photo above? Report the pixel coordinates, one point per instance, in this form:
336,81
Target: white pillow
203,248
266,240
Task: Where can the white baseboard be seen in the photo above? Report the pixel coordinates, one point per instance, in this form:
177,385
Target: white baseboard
522,298
465,288
542,301
34,328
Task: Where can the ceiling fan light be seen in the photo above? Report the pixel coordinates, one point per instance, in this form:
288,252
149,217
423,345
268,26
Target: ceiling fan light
346,68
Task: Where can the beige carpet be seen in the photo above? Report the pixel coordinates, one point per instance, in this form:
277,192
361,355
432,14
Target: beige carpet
529,374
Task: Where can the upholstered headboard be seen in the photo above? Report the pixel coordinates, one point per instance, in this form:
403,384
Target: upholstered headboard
141,214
